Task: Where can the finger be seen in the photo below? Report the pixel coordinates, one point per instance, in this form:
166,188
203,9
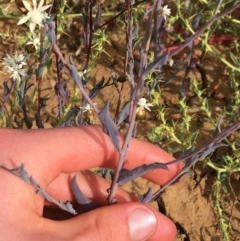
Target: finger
119,222
93,186
58,150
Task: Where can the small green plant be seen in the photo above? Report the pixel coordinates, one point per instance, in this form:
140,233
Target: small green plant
194,26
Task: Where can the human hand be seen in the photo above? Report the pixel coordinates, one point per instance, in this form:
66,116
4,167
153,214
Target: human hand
52,157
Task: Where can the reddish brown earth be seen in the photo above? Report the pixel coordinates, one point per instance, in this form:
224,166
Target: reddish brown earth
190,203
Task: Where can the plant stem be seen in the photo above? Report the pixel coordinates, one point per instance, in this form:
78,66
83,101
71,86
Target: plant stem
126,144
194,156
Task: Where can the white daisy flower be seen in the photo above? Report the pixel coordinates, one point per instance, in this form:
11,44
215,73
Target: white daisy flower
82,74
87,107
35,42
14,66
35,14
142,103
16,72
165,12
17,59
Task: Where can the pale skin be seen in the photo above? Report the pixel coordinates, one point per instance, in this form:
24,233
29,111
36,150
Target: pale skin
52,157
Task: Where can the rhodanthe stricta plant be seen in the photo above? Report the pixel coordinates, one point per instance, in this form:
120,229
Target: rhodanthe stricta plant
137,69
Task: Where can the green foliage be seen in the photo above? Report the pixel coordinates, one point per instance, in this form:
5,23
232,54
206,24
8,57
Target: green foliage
19,106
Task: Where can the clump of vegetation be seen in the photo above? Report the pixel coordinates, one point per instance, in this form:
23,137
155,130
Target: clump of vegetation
167,43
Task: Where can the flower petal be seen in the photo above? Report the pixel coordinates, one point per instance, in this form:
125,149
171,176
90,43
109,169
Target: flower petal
146,107
34,3
42,9
32,26
27,5
40,4
30,42
23,20
10,68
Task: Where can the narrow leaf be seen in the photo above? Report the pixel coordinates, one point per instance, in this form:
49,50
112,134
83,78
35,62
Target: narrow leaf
6,88
105,173
58,203
86,203
158,62
195,22
94,91
43,55
210,149
40,70
234,59
29,86
39,121
22,89
160,27
124,113
60,88
71,113
127,176
51,33
43,68
218,5
109,127
148,32
97,21
74,73
147,197
24,174
69,207
34,183
194,136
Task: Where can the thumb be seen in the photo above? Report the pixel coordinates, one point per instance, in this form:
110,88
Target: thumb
119,222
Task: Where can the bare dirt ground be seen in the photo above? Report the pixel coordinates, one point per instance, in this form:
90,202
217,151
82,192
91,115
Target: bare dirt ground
190,203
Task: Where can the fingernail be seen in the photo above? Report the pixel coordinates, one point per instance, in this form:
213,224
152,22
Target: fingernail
142,224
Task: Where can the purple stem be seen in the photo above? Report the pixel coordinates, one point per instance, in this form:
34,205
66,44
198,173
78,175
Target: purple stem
126,144
198,154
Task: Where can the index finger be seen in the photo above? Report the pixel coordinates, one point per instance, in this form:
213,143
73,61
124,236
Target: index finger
49,152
